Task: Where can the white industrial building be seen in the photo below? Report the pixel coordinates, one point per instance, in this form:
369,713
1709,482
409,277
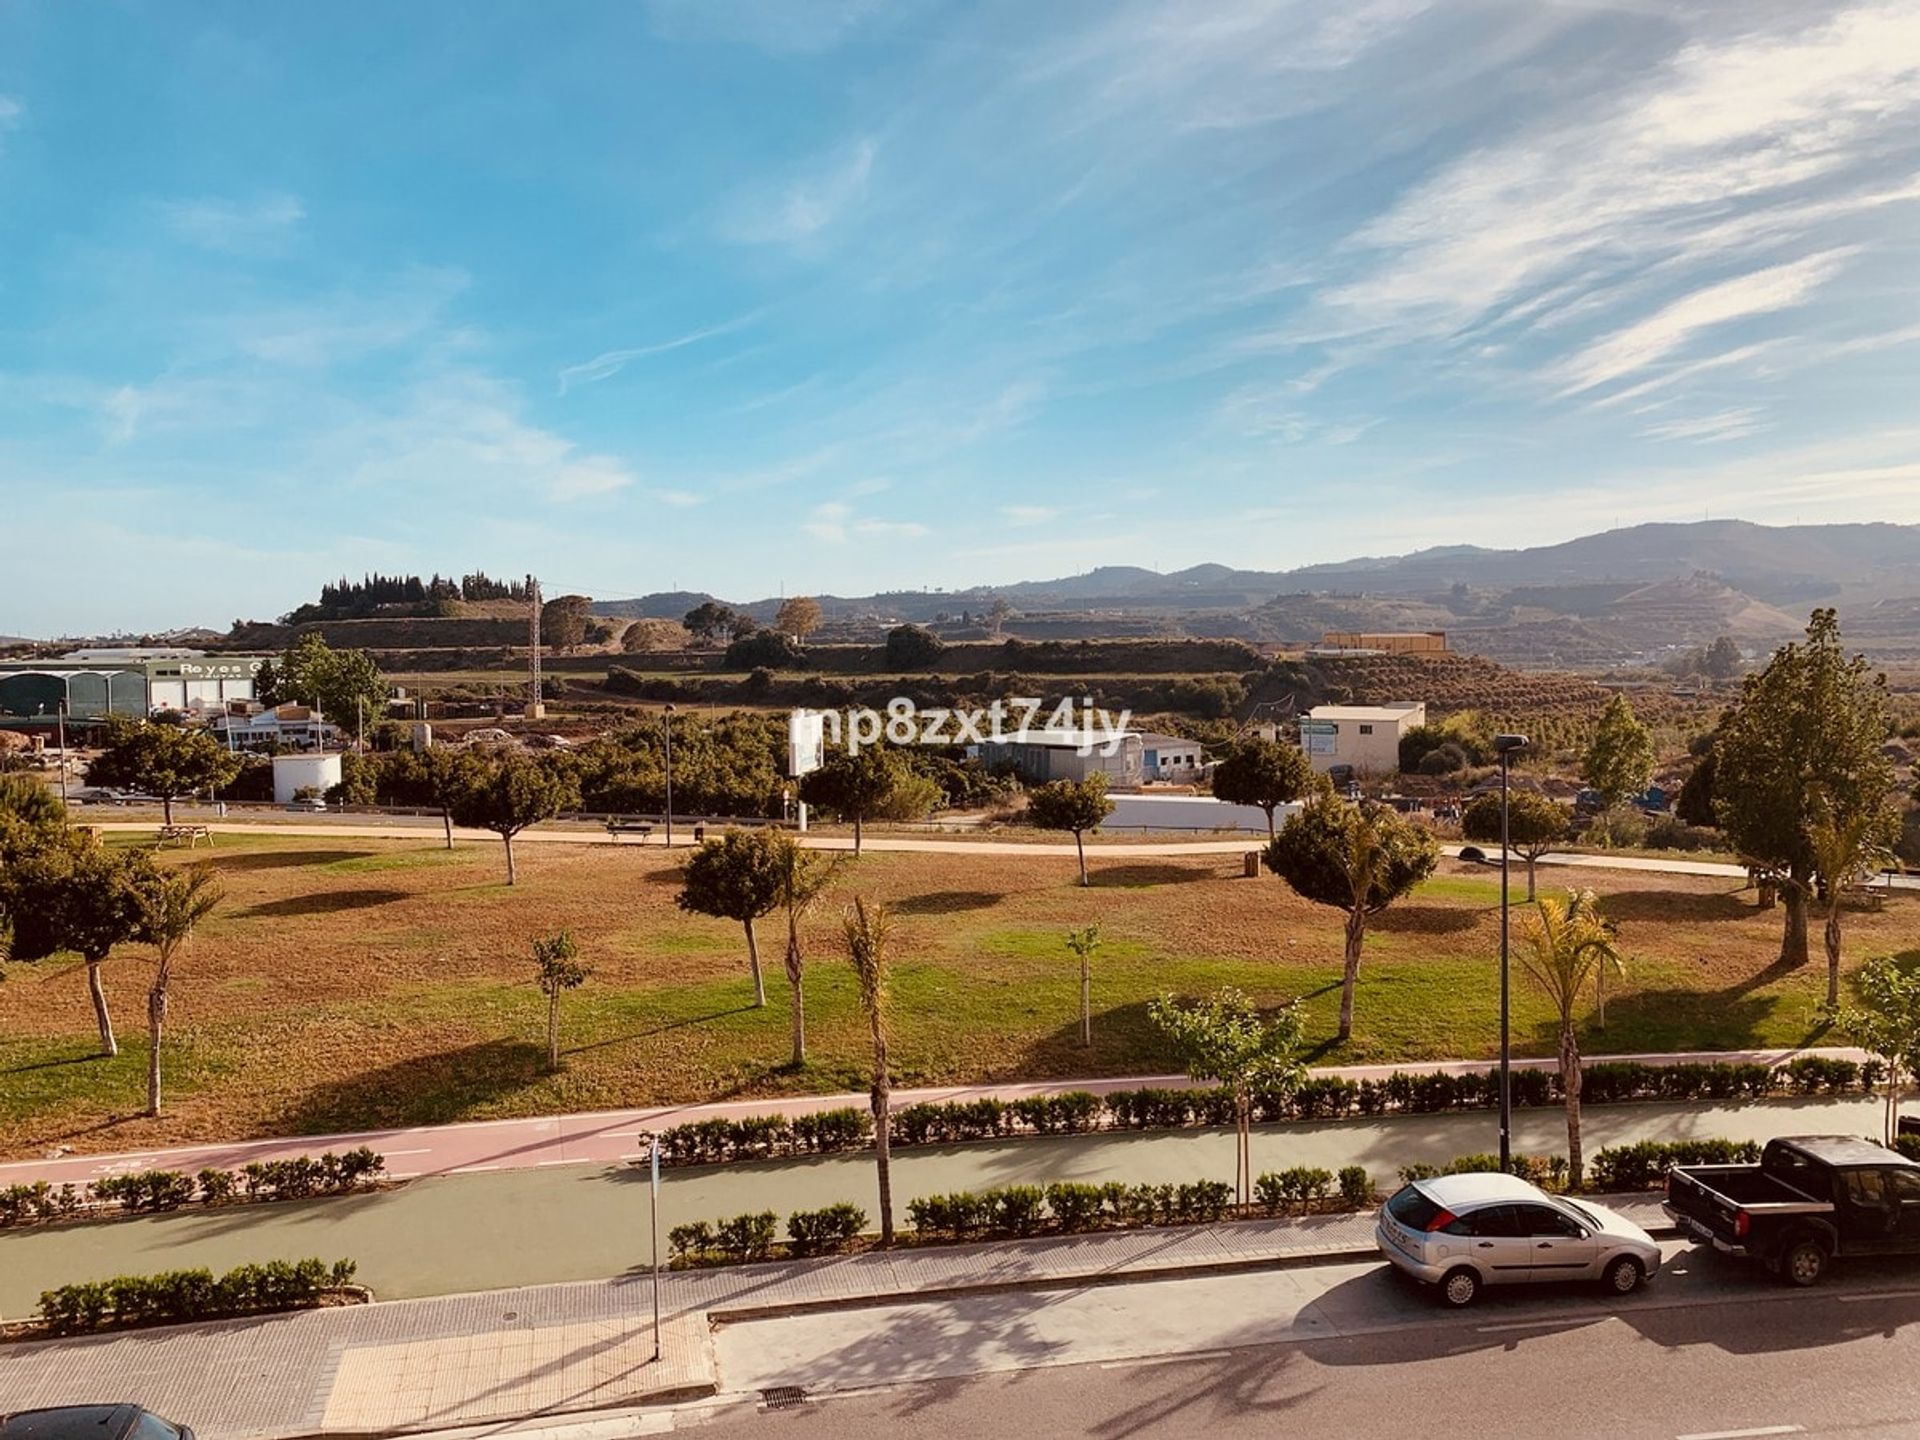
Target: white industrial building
1364,739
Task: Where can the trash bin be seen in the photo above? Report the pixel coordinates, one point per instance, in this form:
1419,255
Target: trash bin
699,833
1252,863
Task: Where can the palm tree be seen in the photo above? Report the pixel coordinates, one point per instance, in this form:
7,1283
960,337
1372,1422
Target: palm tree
1565,946
869,928
803,874
1844,843
178,902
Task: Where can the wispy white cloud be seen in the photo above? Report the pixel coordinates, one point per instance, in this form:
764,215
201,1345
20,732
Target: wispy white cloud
678,499
1734,147
1760,292
464,432
11,109
1276,412
834,522
1724,425
235,226
338,328
801,209
1200,67
611,362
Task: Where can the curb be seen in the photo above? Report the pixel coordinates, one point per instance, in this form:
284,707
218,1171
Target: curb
670,1395
1075,1280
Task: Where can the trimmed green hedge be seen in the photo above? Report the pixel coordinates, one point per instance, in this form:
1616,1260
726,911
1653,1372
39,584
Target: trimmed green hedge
1644,1165
175,1296
1320,1098
156,1191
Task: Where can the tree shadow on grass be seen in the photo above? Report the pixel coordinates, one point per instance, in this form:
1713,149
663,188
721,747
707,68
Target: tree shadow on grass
1426,919
946,902
322,902
1671,1019
52,1064
1141,876
660,1029
282,859
1678,906
427,1090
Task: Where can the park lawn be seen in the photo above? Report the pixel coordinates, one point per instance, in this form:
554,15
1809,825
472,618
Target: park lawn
353,983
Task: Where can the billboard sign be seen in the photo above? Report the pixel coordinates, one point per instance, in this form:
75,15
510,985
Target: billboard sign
806,742
1319,737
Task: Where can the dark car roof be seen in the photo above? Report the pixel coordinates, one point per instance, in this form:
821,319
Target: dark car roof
1844,1150
69,1422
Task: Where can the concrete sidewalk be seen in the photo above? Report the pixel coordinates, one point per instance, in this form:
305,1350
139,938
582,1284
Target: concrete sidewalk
549,1349
610,1136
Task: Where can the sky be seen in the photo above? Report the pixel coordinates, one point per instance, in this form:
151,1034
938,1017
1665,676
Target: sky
845,295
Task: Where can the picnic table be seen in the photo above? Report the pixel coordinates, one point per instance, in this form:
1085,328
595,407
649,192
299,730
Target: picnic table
188,835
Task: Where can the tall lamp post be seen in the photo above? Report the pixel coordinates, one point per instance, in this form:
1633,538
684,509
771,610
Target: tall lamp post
1505,747
669,727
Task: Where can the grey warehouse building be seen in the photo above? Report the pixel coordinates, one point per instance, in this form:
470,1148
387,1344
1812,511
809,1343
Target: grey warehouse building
1045,755
93,684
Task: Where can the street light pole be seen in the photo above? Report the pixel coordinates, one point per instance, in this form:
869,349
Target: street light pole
1505,746
669,726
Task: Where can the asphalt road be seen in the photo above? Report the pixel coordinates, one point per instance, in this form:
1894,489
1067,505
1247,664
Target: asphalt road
1710,1348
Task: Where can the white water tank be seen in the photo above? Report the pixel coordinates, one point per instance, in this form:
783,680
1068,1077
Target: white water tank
294,773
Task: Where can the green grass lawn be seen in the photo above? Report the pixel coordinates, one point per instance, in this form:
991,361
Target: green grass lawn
350,983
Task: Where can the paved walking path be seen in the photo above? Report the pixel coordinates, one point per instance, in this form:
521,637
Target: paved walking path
609,1136
449,1234
506,1354
416,827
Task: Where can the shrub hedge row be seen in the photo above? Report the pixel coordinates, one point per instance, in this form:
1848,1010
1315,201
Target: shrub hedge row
1644,1165
180,1295
764,1137
744,1238
154,1191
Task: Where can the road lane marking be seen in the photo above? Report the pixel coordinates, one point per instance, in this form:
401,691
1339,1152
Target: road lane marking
427,1151
1744,1434
1877,1295
471,1169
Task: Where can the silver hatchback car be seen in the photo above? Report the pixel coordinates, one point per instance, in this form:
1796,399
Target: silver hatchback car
1460,1232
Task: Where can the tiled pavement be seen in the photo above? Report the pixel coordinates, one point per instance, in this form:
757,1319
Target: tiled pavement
551,1348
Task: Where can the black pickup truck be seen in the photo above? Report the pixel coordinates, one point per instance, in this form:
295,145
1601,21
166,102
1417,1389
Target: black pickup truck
1811,1200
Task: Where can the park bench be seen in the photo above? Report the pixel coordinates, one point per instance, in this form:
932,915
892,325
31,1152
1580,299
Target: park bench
188,835
642,828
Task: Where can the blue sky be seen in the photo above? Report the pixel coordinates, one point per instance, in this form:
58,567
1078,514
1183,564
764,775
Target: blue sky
783,296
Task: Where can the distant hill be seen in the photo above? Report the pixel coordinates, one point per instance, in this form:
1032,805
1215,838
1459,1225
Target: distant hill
1596,601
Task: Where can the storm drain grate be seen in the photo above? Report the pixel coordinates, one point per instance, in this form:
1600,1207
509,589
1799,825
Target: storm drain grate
783,1397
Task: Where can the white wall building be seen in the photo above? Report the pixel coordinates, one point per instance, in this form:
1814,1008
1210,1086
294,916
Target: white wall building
1365,737
1171,757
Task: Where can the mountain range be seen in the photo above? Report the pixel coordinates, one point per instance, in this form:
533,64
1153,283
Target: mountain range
1599,600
